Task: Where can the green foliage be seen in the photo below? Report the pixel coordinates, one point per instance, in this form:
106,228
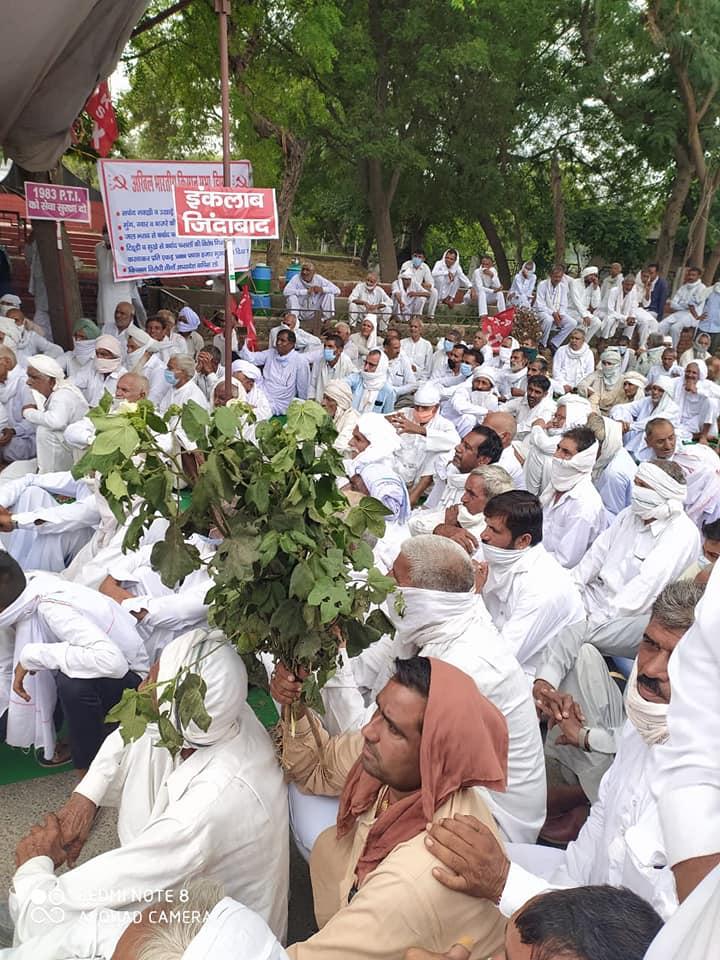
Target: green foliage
286,572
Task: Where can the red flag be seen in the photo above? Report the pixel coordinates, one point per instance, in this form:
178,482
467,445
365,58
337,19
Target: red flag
498,327
105,129
244,314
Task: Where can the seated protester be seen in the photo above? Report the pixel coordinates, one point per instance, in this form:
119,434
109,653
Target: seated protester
471,402
169,321
702,568
449,278
286,374
574,361
71,644
551,305
686,306
573,511
625,315
218,810
310,296
147,353
400,372
604,386
29,342
209,370
628,355
180,375
425,437
432,738
666,367
443,349
364,341
522,289
130,388
329,364
368,296
513,381
379,480
472,359
505,426
480,446
699,464
635,416
371,389
700,350
444,619
405,307
64,404
421,293
464,521
486,289
652,354
188,326
695,409
529,596
572,411
480,342
583,303
535,405
17,435
337,400
447,368
123,319
252,389
373,439
539,367
418,350
103,373
634,385
85,333
614,470
304,341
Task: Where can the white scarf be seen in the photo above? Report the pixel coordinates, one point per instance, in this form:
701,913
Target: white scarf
610,446
233,930
661,501
430,615
474,522
373,382
649,719
567,474
502,566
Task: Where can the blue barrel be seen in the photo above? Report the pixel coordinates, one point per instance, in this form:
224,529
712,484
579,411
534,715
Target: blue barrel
261,278
261,304
292,271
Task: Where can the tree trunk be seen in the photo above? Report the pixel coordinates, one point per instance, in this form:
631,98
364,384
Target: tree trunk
366,248
712,264
518,238
558,202
697,234
379,200
486,222
673,210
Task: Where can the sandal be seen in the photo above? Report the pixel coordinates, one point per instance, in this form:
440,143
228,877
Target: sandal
61,756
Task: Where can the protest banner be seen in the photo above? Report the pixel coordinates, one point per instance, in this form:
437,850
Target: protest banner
226,212
138,199
53,201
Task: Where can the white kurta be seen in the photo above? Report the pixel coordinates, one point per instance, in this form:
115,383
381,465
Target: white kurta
112,292
621,843
323,373
304,304
571,366
417,456
522,289
380,304
572,523
420,354
64,406
525,415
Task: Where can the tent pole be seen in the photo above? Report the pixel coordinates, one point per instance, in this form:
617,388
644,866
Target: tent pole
223,8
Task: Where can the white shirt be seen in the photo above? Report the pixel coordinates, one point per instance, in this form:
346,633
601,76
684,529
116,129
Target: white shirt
573,522
621,843
179,396
530,603
569,368
525,415
552,299
63,407
420,355
94,384
323,373
303,340
298,287
401,376
376,298
421,274
521,289
582,298
417,456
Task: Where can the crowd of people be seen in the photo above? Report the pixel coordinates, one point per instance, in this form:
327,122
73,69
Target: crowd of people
527,768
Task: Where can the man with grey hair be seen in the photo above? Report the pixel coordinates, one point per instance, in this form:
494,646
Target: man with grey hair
309,296
622,843
180,374
438,614
304,341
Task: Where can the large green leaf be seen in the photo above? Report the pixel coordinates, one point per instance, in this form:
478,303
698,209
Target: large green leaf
195,420
173,558
227,420
304,418
190,699
368,515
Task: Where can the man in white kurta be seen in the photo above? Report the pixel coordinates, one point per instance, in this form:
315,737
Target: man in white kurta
685,308
418,350
449,277
486,288
573,361
63,404
421,293
308,295
304,341
636,415
522,288
584,300
537,404
328,364
103,373
551,304
368,296
217,811
28,341
400,372
625,315
111,292
425,436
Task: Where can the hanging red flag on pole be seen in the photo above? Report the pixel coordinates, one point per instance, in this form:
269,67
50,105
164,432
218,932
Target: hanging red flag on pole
244,315
499,326
105,129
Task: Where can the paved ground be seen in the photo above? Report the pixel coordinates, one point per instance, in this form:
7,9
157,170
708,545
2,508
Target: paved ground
24,804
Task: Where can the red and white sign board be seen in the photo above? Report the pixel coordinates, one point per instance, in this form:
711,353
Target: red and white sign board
53,201
138,199
226,212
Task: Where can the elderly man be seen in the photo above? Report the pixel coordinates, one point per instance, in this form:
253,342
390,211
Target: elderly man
371,388
286,374
118,325
73,645
431,736
420,293
522,288
180,375
332,363
425,437
529,596
486,289
102,375
667,366
310,296
696,410
512,382
304,341
614,470
686,306
551,304
368,296
64,404
611,281
28,341
505,426
584,300
635,416
537,404
209,370
418,350
463,522
473,400
217,810
572,411
625,315
400,372
481,445
574,361
17,435
252,389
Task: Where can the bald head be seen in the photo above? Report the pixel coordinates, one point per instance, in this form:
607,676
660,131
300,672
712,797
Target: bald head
504,425
132,387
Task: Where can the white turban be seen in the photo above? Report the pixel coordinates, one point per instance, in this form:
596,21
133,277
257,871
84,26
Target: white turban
383,440
665,383
47,367
233,930
11,331
10,301
211,656
661,482
247,369
566,474
488,373
589,272
702,368
188,320
385,485
340,392
632,376
111,344
577,410
426,395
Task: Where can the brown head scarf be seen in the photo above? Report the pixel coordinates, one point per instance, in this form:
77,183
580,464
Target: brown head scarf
464,744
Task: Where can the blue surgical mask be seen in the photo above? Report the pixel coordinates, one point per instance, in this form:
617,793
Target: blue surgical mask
416,261
703,561
284,359
465,369
623,351
448,345
329,354
171,378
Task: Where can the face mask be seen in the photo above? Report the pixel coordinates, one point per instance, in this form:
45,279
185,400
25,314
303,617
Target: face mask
563,476
329,354
555,431
103,365
623,351
170,378
704,561
505,354
465,369
647,504
369,286
499,557
416,261
448,345
423,416
84,350
283,360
